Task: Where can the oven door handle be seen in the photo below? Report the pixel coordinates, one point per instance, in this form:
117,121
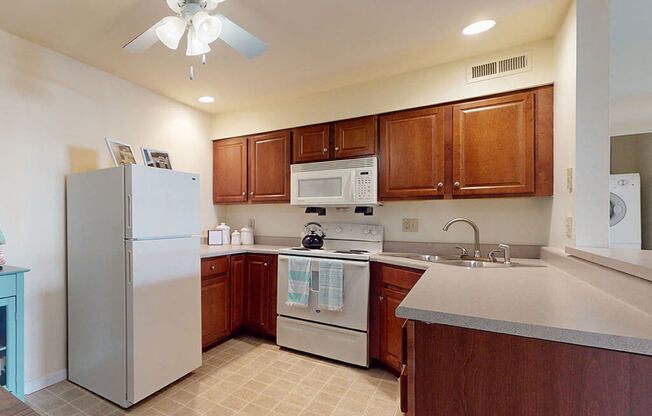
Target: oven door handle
358,263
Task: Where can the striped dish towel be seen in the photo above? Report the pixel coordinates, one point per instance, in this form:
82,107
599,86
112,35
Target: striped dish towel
331,276
299,273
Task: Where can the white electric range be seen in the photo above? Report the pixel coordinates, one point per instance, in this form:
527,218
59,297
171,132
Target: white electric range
341,335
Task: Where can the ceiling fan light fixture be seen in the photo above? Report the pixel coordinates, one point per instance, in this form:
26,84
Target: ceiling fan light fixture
212,4
171,31
196,46
174,5
207,28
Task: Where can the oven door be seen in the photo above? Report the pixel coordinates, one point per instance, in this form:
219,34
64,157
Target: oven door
323,187
354,315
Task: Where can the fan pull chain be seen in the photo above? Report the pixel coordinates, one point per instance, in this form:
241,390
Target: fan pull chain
203,59
192,73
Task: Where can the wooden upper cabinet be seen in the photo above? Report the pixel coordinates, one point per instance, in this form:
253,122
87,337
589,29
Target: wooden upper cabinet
311,144
493,146
230,170
412,153
269,167
356,137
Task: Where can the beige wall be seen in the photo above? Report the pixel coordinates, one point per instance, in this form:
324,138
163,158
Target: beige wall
633,154
592,124
442,83
518,220
563,201
55,113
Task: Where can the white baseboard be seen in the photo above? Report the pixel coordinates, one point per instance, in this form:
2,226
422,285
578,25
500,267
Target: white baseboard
43,382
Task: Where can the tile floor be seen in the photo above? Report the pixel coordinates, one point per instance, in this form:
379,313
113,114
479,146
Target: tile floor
246,376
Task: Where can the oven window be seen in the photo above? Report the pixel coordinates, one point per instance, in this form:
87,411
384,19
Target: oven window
309,188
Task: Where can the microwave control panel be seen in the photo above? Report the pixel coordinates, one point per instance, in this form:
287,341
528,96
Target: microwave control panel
365,186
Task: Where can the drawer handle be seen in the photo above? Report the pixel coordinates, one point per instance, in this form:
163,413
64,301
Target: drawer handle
440,185
456,184
212,267
380,298
325,150
337,149
265,264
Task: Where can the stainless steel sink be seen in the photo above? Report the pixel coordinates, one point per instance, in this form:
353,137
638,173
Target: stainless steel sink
457,261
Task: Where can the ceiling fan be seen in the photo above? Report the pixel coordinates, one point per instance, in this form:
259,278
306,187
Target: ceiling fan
203,29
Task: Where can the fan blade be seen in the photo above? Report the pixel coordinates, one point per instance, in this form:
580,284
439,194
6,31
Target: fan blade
174,5
145,40
240,40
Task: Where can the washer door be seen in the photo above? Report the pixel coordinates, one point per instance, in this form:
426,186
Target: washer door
617,209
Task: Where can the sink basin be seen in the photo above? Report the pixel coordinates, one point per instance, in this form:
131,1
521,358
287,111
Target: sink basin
457,261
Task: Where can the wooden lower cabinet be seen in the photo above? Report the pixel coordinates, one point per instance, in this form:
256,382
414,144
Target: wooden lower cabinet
238,272
238,291
457,371
389,286
215,308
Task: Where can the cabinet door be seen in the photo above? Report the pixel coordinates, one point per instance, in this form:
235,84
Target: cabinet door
355,137
214,308
269,167
273,282
311,144
493,146
8,353
257,293
391,328
238,271
412,153
230,170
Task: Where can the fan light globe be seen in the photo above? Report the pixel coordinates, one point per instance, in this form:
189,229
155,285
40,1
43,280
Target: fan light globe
171,31
208,28
196,46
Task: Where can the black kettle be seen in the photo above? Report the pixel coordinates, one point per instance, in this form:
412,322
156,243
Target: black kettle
314,236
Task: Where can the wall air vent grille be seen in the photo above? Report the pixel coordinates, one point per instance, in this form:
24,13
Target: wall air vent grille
499,67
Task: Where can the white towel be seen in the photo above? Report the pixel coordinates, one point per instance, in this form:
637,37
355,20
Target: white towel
331,278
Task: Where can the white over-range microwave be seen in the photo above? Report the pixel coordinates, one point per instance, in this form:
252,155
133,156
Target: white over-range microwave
338,182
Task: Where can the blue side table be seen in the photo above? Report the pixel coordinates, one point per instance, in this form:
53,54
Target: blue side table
11,329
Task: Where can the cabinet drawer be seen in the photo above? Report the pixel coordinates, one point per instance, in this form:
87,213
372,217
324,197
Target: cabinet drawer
214,266
399,277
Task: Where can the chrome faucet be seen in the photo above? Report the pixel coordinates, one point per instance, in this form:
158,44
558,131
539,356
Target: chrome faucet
476,233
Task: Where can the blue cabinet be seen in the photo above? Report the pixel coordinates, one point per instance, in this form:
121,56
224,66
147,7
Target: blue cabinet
11,329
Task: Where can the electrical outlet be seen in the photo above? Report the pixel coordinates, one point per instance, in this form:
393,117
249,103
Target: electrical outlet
410,225
252,223
569,227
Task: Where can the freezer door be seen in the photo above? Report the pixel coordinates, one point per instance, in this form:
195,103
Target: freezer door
163,313
160,203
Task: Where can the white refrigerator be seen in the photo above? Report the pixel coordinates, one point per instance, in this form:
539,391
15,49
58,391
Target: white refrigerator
134,285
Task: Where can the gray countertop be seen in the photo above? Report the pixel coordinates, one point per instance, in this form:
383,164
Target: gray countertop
539,302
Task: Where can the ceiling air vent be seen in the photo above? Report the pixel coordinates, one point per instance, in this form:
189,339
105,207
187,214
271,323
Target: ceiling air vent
499,67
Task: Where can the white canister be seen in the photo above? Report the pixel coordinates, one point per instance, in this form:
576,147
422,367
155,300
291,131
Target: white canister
226,232
235,238
247,236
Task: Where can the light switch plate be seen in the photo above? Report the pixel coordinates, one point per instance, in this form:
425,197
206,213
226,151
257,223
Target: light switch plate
410,225
569,179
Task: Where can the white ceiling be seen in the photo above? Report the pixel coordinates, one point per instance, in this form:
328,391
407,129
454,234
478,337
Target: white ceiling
314,45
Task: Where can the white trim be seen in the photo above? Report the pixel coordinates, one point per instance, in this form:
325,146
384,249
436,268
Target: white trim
46,381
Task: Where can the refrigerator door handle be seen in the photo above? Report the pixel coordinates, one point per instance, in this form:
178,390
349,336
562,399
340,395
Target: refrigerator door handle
129,265
128,212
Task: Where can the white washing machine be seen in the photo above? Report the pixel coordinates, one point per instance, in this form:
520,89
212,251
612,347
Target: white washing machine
625,211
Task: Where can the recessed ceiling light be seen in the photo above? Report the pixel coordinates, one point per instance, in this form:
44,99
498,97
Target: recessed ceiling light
206,99
479,27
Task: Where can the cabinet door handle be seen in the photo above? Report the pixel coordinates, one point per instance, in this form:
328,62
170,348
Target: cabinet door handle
244,193
380,298
440,185
265,264
251,193
337,149
456,184
212,267
325,150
